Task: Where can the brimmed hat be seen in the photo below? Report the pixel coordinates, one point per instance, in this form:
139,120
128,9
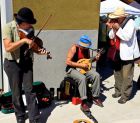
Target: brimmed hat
26,15
119,12
85,41
103,18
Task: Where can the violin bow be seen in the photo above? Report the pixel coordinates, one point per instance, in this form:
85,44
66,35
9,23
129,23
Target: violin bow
38,33
43,25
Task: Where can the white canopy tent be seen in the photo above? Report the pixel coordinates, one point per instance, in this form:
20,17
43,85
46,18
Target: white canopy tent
109,6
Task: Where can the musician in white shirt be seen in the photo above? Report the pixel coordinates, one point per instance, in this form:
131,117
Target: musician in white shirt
128,52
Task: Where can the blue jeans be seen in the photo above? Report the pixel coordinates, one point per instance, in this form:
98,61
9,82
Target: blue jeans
81,79
18,75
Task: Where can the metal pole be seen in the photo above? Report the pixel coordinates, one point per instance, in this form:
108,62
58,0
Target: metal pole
1,66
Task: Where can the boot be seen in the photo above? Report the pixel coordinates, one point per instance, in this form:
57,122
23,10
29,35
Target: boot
84,107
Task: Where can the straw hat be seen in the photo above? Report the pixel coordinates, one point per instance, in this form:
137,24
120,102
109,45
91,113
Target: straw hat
119,12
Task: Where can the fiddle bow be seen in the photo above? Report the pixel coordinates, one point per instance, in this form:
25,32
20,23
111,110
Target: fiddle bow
36,37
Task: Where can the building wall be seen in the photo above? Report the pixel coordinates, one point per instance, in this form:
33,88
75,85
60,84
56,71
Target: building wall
0,56
6,16
57,42
66,14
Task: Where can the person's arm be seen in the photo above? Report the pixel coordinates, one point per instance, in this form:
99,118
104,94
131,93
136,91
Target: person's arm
97,57
12,46
111,34
126,33
69,61
9,45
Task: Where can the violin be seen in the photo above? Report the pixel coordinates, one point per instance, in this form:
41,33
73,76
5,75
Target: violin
37,46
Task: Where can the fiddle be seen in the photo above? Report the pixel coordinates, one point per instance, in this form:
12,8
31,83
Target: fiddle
37,45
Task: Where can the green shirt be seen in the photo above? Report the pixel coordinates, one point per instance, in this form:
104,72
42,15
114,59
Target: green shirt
10,31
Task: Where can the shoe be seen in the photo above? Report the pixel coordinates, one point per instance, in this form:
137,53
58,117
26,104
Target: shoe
84,107
97,101
138,85
20,121
122,100
35,121
115,95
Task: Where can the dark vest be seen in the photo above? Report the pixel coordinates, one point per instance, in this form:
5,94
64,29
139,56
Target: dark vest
76,57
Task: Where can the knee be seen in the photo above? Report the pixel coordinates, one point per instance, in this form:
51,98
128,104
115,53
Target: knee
97,75
28,90
82,79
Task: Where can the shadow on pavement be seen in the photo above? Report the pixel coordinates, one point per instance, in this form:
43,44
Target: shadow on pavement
46,112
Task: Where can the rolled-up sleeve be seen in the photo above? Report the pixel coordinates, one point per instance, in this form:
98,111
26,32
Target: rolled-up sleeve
126,33
6,32
111,34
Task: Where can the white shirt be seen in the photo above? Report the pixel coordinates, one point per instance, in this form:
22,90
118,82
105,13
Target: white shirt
128,41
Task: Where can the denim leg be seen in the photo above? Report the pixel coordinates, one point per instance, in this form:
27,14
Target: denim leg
81,79
15,81
94,77
32,106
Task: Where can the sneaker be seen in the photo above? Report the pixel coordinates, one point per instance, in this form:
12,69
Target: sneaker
97,101
84,107
116,95
122,100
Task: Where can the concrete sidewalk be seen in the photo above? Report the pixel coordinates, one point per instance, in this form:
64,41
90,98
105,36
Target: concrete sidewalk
112,112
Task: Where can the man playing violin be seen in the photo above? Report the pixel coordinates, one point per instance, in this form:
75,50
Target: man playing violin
80,51
19,67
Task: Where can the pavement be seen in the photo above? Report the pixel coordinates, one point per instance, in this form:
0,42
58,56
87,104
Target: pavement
112,112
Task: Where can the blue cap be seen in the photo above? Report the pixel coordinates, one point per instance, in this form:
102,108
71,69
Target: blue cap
85,41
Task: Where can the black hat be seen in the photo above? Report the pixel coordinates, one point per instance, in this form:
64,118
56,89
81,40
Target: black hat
103,18
26,15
